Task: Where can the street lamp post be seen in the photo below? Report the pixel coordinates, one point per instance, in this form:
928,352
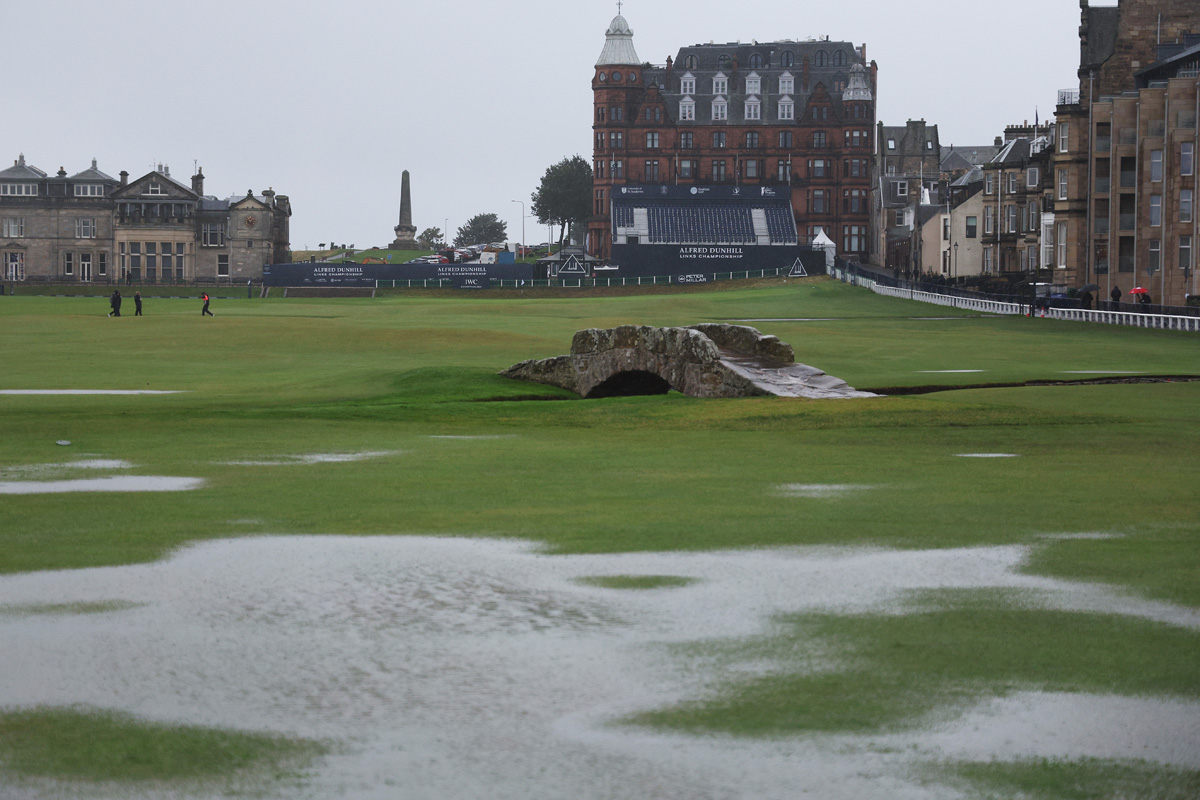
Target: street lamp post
446,232
522,202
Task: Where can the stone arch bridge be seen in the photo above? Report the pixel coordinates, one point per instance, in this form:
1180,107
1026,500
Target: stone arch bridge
711,360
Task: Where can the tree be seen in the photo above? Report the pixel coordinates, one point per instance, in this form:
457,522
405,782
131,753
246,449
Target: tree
565,194
431,239
481,229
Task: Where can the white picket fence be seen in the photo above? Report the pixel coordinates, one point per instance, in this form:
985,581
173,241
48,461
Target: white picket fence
1169,322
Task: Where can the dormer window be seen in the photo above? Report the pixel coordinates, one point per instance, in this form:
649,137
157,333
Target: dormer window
787,83
822,59
720,109
753,83
756,61
753,108
687,84
89,190
788,59
839,58
720,84
689,62
19,189
787,108
687,109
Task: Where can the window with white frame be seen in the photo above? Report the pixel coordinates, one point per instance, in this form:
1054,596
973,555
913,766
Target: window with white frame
988,220
720,84
891,144
223,266
1032,253
1155,210
1048,244
687,110
14,266
85,228
753,108
1062,184
1155,261
753,83
85,266
1031,178
989,183
68,263
783,171
213,235
616,140
1064,137
1186,159
898,217
1185,205
89,190
1011,216
687,84
652,140
1012,183
787,83
720,109
687,140
155,188
19,189
1185,252
787,109
1031,211
900,188
820,201
987,259
1061,241
1156,165
13,227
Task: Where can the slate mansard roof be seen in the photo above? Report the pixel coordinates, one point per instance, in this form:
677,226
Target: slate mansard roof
777,58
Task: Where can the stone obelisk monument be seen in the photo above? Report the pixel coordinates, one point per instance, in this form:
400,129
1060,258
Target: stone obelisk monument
406,232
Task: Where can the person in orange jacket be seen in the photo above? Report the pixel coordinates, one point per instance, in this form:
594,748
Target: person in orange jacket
205,310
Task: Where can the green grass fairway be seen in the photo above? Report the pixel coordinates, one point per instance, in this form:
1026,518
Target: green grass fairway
99,746
386,416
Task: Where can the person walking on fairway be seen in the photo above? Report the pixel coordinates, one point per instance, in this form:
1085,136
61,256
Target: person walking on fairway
115,302
137,304
205,310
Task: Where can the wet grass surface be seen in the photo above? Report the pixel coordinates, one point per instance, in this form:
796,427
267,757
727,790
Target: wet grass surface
100,746
638,581
1083,779
281,379
947,650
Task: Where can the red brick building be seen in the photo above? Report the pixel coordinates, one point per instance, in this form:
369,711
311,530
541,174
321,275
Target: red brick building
795,114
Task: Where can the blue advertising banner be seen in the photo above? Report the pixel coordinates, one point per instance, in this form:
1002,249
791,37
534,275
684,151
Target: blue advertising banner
701,261
320,274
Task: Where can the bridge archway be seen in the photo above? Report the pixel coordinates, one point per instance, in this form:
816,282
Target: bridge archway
630,383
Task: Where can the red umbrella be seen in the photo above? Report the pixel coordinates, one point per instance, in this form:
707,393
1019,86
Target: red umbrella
1138,290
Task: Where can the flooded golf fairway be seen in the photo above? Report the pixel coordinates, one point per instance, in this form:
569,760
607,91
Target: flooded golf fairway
465,668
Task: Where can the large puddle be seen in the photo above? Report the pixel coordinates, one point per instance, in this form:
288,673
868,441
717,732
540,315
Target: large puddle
453,668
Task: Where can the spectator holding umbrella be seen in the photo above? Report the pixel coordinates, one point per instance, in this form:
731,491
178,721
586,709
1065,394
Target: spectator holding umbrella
1115,294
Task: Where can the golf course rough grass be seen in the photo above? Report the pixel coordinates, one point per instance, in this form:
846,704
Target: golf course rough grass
85,745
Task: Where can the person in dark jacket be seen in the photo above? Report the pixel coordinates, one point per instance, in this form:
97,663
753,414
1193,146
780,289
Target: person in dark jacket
1115,294
205,310
1144,299
137,304
115,302
1085,300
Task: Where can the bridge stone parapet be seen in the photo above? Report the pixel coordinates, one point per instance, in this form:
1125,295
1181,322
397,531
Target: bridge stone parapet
711,360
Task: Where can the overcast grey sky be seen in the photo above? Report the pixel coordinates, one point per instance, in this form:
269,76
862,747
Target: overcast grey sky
328,102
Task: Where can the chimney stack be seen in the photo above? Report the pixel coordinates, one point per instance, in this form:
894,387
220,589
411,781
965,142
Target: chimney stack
198,181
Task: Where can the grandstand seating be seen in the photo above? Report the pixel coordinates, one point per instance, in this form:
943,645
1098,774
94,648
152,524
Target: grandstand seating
709,222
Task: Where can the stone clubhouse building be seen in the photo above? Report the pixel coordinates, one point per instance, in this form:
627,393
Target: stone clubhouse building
92,228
